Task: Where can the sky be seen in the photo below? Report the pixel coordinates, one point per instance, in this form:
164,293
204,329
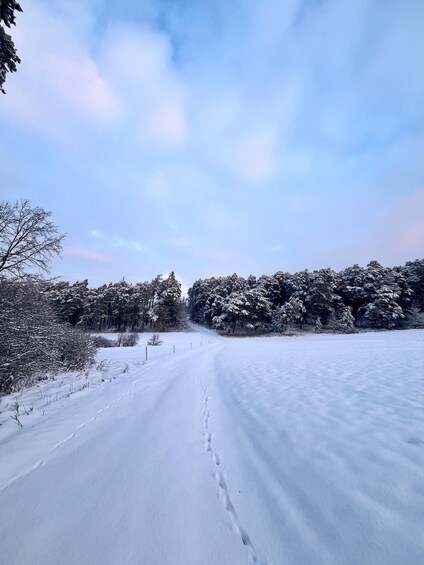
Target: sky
217,137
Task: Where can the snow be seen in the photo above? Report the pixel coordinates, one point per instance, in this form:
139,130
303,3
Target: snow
276,450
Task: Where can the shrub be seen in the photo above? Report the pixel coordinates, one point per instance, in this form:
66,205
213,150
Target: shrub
32,341
101,341
154,340
30,336
78,349
127,339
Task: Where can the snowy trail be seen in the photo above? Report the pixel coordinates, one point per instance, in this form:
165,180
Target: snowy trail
133,485
271,451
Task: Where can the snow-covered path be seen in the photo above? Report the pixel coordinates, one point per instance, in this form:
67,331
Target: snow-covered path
304,450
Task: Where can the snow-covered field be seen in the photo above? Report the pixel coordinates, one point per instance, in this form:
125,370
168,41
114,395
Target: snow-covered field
278,450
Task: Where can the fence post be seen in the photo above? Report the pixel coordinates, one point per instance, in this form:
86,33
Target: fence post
173,347
146,352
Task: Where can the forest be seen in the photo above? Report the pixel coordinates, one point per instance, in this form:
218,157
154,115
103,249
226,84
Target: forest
154,305
374,297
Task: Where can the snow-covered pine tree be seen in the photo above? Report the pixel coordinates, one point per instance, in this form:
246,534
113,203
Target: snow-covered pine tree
346,321
167,304
322,299
383,311
293,312
384,292
413,273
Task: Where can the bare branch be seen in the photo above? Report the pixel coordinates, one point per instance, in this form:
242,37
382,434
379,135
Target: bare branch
28,239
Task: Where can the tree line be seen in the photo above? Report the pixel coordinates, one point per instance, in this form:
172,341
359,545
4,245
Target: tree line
154,305
357,297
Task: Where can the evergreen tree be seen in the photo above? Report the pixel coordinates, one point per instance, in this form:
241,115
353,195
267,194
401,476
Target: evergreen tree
413,273
293,312
8,57
383,311
322,299
167,304
346,321
318,325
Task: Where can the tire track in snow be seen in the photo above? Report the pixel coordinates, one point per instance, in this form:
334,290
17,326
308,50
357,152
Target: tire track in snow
222,487
59,444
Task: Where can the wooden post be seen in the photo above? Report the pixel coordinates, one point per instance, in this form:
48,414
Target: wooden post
173,348
146,352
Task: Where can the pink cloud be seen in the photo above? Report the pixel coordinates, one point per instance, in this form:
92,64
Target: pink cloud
59,88
63,91
406,225
397,235
83,253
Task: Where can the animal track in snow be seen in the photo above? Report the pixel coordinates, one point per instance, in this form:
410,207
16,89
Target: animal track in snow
223,492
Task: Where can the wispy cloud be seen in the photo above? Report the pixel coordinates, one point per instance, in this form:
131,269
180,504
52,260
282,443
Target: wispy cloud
138,61
60,90
83,253
64,88
131,245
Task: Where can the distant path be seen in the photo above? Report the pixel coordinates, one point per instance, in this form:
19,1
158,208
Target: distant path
203,330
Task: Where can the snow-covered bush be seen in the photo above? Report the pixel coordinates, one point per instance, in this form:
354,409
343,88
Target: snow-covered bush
154,340
77,348
33,343
127,339
29,342
101,341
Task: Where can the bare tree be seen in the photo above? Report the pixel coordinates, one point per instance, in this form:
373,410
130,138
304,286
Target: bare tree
28,239
28,334
33,343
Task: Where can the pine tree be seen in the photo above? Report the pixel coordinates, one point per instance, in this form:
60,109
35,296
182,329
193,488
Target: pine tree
384,311
167,305
413,273
346,321
8,56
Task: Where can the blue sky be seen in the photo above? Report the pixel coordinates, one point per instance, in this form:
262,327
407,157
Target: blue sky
218,137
